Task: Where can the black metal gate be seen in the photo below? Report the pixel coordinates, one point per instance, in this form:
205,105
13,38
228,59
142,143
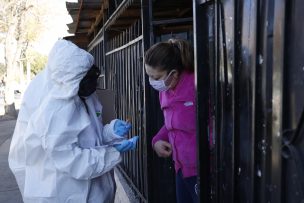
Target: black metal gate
118,50
124,72
249,79
251,71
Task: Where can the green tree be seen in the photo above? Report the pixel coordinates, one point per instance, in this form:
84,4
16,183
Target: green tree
2,70
36,60
20,22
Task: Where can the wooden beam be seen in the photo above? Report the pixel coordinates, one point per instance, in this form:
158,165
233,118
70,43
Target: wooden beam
184,11
171,29
91,13
131,13
80,40
167,13
98,19
78,16
106,4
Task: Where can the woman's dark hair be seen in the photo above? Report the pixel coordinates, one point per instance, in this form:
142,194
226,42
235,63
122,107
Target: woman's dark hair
173,54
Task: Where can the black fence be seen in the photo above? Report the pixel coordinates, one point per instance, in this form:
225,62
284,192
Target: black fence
253,60
119,51
130,27
98,53
124,70
250,101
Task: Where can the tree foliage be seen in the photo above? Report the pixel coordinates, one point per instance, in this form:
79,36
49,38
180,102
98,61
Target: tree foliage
2,70
21,25
36,60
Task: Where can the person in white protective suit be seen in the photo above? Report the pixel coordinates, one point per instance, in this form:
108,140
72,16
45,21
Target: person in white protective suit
60,151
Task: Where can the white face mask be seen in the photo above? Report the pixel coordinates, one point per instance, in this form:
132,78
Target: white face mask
160,85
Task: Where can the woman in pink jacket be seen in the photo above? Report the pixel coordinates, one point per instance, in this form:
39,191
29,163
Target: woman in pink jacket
169,66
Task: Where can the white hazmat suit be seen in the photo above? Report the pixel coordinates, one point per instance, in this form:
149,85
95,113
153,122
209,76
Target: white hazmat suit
59,151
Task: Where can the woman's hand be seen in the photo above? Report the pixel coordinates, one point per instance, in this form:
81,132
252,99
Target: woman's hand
163,148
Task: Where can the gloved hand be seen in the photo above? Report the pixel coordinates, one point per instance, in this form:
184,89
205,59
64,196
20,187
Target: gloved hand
121,128
127,145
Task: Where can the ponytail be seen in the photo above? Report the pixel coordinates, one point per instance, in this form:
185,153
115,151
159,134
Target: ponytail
186,53
174,54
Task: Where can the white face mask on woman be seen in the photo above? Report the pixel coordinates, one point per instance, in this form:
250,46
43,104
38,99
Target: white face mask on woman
160,85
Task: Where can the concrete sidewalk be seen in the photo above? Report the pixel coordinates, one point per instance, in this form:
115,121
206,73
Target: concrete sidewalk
9,192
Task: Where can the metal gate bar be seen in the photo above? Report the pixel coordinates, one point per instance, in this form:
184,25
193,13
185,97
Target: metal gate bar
125,71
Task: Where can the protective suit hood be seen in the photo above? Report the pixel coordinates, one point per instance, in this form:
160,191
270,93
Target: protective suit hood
67,65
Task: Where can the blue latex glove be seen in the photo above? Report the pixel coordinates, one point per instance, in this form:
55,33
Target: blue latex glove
127,145
121,127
